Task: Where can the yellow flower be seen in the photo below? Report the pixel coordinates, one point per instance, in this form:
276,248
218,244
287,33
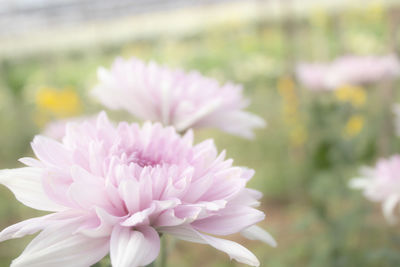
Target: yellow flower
354,126
58,103
352,94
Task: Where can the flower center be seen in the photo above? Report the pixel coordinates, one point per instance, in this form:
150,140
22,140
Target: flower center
141,160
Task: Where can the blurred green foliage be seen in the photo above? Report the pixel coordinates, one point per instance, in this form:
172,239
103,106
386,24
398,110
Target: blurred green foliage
315,218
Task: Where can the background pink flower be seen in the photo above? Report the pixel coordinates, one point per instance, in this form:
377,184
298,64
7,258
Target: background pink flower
382,184
348,70
57,129
174,97
115,189
313,75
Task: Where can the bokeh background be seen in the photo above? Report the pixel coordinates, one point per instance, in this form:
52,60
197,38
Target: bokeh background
315,140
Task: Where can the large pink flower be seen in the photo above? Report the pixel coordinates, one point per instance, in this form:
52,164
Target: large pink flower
116,189
382,184
174,97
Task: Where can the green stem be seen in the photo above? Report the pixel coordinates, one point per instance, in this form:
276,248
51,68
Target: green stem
163,252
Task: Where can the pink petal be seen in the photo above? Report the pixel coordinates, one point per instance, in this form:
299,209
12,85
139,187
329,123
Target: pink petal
103,225
51,152
155,208
131,248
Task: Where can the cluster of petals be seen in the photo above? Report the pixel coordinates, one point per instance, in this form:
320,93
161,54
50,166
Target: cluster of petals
115,189
382,184
355,70
174,97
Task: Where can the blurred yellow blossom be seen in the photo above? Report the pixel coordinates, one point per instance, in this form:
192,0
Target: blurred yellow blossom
363,42
298,135
354,126
319,17
286,85
355,95
57,103
291,115
375,11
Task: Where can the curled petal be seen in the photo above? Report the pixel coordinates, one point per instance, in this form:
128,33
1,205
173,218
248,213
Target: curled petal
131,248
257,233
229,221
155,208
34,225
23,228
233,249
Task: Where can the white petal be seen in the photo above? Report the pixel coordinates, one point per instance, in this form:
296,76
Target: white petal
257,233
388,208
359,183
186,123
58,246
34,225
237,122
23,228
26,184
165,101
131,248
233,249
229,220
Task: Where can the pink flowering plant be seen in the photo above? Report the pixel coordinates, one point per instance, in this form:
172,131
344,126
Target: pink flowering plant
150,91
116,189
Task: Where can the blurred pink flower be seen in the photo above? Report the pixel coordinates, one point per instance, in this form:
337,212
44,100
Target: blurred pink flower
174,97
313,75
56,129
345,70
115,189
382,184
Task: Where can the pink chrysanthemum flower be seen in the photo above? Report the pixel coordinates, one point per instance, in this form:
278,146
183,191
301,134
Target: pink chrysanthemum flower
382,184
174,97
116,189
